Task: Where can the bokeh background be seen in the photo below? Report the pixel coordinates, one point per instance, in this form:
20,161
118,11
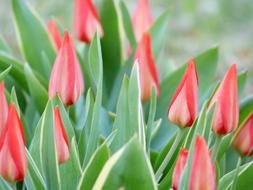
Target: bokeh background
194,25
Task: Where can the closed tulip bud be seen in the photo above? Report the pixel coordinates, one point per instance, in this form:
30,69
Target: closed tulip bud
226,112
86,20
54,33
66,78
61,139
183,107
202,175
3,107
147,67
243,140
142,19
13,161
179,168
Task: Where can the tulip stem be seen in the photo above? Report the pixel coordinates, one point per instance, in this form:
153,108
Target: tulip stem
235,178
169,155
13,185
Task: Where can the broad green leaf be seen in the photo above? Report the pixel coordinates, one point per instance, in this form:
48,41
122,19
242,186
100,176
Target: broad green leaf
158,32
151,118
4,185
33,177
112,42
95,61
94,167
126,19
5,73
244,178
246,107
242,79
43,149
36,89
128,168
17,71
206,64
129,119
33,37
70,170
125,131
85,131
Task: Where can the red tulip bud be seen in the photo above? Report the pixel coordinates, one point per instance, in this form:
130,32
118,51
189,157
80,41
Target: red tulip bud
87,20
66,78
142,19
61,139
179,168
243,140
183,107
202,174
13,161
54,33
148,72
3,107
226,113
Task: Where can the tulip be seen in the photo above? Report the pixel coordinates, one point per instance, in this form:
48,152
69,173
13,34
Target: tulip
226,112
142,19
179,168
3,107
183,107
202,176
61,139
147,67
87,20
66,78
54,33
243,140
13,161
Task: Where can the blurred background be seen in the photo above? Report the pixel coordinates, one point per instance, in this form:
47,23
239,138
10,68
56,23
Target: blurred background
194,26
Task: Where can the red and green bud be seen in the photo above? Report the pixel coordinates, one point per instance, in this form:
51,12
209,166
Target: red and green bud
243,140
183,107
86,20
61,138
13,162
66,78
54,33
147,67
226,112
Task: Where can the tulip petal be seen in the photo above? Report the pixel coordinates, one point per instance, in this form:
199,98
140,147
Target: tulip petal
54,33
3,107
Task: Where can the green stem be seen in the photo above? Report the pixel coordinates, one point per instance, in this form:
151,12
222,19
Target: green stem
216,148
235,178
166,160
13,185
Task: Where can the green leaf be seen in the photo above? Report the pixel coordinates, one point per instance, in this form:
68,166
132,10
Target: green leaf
112,42
244,178
94,128
158,32
43,149
206,64
32,36
4,185
242,79
33,177
94,167
129,119
70,170
128,168
95,61
36,89
126,19
5,73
